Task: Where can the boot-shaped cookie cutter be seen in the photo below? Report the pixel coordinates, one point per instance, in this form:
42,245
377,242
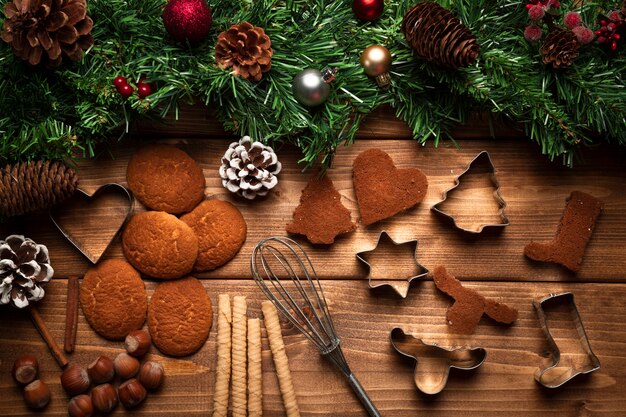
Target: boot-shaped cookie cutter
481,157
433,363
401,289
552,373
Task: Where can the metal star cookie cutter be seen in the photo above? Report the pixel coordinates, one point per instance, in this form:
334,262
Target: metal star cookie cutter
401,288
550,374
481,157
79,212
432,362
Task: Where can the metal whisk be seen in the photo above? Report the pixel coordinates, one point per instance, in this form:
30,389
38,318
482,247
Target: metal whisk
284,272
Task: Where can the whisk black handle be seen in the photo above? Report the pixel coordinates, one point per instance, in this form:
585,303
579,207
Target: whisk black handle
362,396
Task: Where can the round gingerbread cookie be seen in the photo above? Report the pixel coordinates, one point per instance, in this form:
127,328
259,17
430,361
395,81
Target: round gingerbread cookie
180,316
221,231
160,245
113,298
165,178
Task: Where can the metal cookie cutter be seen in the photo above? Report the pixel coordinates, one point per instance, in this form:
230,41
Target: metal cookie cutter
482,157
433,363
553,373
375,273
91,222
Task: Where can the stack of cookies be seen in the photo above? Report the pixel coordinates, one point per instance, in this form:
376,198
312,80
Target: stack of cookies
180,233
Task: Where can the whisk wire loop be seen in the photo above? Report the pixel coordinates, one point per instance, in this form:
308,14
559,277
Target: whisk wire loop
285,274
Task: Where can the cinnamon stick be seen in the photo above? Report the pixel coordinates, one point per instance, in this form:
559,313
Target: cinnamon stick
45,333
71,314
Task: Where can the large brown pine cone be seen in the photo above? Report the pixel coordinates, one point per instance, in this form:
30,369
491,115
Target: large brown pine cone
438,36
245,48
47,30
560,48
32,186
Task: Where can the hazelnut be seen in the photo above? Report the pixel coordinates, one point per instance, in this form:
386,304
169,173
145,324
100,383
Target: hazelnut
131,393
138,342
75,380
151,375
104,398
126,366
101,370
80,406
36,394
25,369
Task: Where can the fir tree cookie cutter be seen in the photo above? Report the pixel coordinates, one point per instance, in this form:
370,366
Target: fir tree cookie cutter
553,373
379,276
90,222
482,158
432,362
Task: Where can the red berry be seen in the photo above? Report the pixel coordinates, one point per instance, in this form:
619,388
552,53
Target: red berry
572,19
119,81
614,46
533,33
536,12
583,34
617,36
126,90
601,39
528,6
603,22
144,90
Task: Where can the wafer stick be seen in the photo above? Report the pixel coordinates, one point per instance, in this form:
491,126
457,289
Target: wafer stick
239,383
272,325
222,369
255,371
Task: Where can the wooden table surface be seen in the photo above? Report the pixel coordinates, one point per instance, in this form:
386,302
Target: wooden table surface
492,263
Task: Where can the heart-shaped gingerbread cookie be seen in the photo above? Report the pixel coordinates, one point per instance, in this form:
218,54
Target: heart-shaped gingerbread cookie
91,222
382,190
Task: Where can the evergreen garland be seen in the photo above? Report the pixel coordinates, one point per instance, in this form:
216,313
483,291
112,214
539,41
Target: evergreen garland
49,114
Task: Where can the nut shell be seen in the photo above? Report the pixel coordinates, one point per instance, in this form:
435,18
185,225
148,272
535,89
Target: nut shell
25,369
101,370
104,398
138,342
151,375
80,406
75,380
36,394
126,366
131,393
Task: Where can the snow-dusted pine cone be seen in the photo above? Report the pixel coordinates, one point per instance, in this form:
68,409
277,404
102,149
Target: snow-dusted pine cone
249,169
24,266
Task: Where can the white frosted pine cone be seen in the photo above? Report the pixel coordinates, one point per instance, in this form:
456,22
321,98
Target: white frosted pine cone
24,266
249,169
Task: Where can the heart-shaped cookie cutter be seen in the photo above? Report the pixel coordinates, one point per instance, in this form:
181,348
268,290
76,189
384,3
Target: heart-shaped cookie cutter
484,155
551,375
82,197
383,237
432,362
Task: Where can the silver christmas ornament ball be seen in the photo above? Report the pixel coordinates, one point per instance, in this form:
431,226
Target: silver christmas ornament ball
309,88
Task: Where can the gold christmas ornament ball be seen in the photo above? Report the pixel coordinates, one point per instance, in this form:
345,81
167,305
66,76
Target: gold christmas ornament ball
375,60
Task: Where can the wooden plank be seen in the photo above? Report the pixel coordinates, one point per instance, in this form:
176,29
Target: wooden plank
503,385
534,188
199,121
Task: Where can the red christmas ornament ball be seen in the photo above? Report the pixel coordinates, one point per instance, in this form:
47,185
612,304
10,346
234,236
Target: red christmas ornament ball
187,20
368,10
